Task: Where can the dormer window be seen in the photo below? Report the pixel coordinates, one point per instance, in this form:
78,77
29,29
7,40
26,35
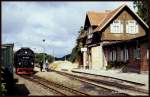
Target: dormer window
116,27
90,30
132,27
90,36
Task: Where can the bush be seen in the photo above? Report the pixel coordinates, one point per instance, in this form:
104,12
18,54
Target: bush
2,89
116,64
109,66
3,83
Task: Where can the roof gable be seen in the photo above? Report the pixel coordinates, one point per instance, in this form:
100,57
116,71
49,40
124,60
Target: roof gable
111,15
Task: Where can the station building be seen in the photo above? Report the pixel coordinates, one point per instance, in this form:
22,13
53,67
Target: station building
114,38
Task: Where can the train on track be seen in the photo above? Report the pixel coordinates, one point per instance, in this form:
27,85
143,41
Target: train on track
24,61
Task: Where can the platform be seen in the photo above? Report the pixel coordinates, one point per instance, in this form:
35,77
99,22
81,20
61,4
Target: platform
131,77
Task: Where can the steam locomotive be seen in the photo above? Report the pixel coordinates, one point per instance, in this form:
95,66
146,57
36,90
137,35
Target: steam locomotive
24,61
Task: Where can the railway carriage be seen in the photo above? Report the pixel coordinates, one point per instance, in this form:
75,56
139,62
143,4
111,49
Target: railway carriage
24,61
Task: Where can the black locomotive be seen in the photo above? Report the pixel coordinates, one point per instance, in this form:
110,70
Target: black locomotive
24,61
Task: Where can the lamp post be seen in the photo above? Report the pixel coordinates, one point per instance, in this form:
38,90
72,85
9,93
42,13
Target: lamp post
17,44
43,52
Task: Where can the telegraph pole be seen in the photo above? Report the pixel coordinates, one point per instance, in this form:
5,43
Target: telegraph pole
53,55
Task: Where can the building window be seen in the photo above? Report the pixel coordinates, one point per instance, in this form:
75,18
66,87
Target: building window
112,55
137,53
89,41
121,55
116,27
126,55
147,53
132,27
90,34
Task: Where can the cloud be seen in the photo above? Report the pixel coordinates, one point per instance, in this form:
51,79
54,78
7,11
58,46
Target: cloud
28,23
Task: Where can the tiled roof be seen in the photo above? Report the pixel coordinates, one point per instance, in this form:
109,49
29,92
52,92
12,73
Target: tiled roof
96,18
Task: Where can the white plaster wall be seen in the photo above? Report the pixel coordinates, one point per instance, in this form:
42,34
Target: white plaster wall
97,57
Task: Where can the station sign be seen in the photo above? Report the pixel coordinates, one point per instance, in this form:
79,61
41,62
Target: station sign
83,49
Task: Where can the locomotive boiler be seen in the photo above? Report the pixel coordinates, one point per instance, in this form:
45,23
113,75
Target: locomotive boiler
24,61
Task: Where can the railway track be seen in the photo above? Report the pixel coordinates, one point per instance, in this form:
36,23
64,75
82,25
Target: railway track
107,83
57,88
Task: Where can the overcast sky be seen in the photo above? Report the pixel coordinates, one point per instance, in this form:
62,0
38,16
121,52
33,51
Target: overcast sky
28,23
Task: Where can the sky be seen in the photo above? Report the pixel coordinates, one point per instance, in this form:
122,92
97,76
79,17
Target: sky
27,24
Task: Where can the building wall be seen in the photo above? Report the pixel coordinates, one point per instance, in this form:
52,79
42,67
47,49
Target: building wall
84,59
97,57
144,57
138,65
134,64
124,17
105,57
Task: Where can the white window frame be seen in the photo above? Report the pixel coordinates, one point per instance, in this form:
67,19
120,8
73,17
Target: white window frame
116,27
132,27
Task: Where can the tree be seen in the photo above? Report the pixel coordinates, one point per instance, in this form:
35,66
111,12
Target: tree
142,9
76,51
39,57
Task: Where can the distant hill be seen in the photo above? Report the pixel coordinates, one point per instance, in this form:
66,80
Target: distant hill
57,59
63,58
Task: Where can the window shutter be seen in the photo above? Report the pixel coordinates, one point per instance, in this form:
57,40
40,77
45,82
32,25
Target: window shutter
111,28
127,54
121,28
121,55
127,29
137,28
147,53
